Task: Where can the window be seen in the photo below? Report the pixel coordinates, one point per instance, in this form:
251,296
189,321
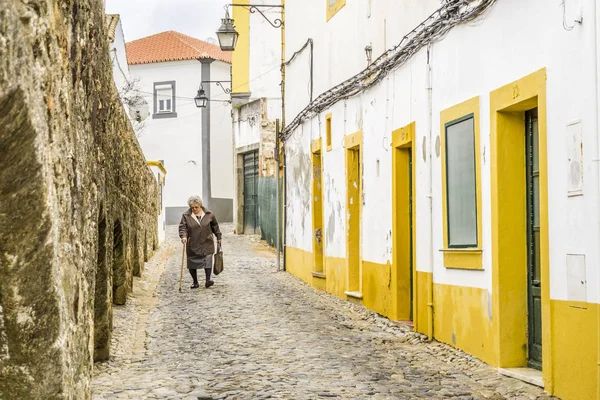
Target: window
164,100
461,188
164,97
333,6
328,132
461,194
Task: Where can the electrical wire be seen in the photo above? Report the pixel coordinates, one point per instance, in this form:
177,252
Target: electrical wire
433,28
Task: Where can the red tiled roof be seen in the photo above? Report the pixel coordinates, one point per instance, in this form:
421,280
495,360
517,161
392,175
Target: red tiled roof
172,46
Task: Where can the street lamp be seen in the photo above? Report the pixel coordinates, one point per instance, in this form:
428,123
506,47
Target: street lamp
227,34
201,100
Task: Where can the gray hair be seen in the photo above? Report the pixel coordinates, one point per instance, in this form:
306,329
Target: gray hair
195,200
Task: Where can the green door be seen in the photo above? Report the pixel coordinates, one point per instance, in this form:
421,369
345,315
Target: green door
250,192
533,241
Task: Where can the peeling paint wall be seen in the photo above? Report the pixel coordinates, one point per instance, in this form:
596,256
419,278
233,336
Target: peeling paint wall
471,60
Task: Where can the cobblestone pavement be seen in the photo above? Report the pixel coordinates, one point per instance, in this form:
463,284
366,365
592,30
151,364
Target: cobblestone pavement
258,334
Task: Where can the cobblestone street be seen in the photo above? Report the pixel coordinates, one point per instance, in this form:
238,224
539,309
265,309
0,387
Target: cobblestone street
258,333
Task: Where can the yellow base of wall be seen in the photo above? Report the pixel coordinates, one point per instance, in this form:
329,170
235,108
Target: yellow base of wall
376,288
575,350
421,319
335,275
463,319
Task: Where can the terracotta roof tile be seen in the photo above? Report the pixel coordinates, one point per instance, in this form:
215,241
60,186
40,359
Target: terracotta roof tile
172,46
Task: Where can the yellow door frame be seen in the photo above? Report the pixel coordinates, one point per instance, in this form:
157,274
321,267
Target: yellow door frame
317,209
402,143
509,241
353,146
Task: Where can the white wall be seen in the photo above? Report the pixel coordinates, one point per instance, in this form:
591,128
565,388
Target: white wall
176,141
516,38
221,139
265,54
118,56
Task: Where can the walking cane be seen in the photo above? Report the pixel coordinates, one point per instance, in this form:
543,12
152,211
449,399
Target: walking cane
182,261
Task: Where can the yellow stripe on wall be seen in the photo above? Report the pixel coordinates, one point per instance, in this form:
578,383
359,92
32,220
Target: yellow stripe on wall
575,346
463,319
240,68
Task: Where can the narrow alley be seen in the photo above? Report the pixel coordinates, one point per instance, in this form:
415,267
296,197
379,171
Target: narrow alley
259,334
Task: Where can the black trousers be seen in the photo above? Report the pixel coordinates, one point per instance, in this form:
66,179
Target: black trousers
194,274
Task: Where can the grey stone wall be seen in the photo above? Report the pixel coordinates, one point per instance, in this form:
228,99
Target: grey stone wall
78,204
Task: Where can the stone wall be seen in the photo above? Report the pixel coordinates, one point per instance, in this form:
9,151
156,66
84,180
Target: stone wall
78,204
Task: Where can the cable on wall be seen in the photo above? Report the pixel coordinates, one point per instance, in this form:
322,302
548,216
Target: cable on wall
433,28
288,62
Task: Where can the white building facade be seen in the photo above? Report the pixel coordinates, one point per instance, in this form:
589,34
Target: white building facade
194,144
453,180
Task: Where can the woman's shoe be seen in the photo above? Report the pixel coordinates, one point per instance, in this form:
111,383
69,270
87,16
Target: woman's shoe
209,284
195,286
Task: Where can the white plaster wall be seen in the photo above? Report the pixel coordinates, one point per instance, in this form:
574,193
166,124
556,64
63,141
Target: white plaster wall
513,40
221,136
299,175
265,54
339,44
247,128
118,56
176,141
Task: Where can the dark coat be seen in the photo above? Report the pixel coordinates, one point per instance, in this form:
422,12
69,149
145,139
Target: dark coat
200,237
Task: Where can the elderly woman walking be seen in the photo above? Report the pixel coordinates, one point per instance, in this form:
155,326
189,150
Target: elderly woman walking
196,229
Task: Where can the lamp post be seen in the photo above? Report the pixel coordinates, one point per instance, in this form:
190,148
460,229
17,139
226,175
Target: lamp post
228,38
202,100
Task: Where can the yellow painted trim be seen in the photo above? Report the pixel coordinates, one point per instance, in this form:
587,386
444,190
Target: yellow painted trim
461,260
328,131
463,319
159,165
509,257
458,259
317,208
353,141
316,146
402,143
334,8
240,57
575,333
403,137
376,293
353,145
423,281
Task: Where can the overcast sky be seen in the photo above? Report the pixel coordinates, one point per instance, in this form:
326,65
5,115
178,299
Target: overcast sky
141,18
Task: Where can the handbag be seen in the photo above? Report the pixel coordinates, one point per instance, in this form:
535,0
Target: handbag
218,263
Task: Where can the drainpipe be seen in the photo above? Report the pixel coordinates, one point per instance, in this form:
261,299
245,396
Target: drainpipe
277,194
430,195
283,130
597,162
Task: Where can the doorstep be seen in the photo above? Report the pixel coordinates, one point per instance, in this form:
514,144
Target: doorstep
529,375
319,275
355,295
